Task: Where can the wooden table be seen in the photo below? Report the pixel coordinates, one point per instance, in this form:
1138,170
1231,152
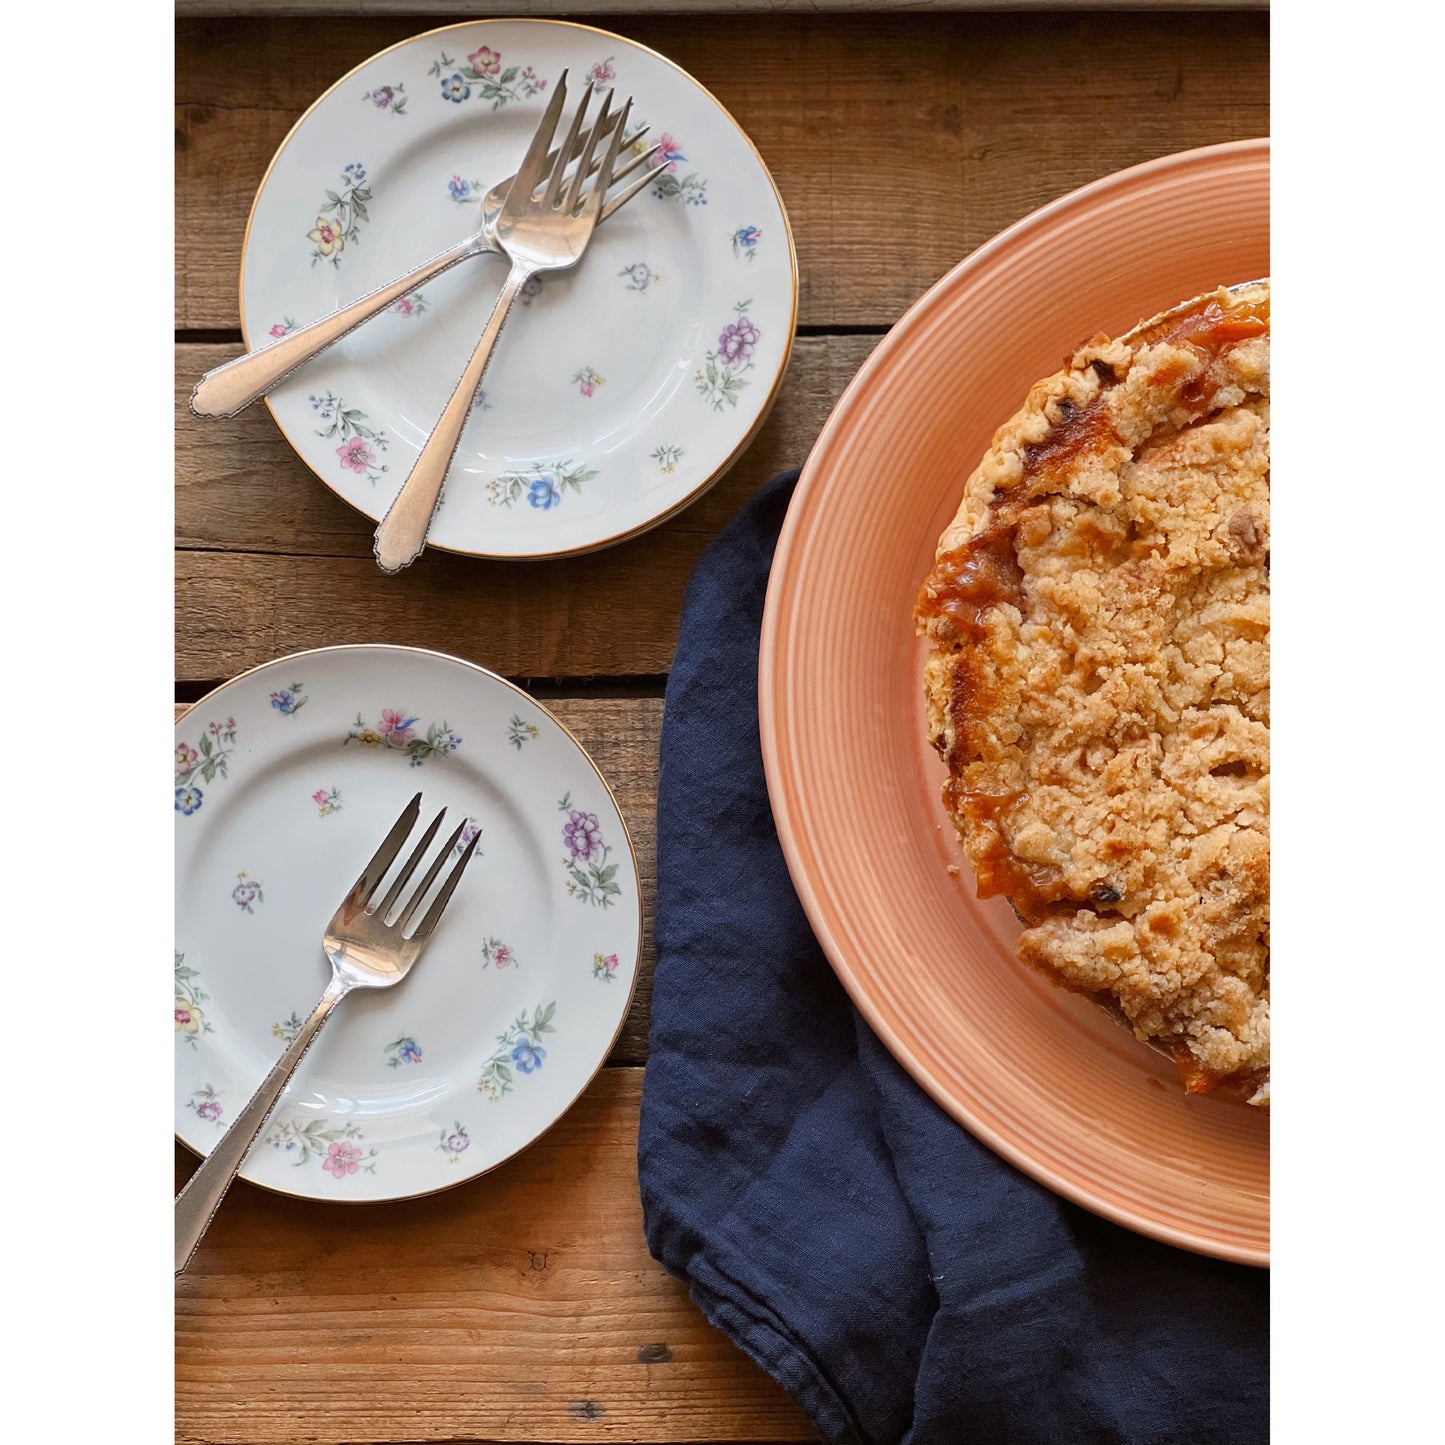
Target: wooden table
525,1307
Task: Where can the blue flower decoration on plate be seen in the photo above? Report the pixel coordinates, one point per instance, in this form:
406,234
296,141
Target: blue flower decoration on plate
543,494
528,1057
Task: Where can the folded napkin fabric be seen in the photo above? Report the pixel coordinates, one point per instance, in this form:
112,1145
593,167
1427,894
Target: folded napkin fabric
901,1281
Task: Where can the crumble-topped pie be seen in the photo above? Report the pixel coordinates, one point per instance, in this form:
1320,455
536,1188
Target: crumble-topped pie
1098,680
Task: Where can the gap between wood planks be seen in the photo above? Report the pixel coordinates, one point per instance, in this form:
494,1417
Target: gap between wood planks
544,689
899,141
223,337
268,561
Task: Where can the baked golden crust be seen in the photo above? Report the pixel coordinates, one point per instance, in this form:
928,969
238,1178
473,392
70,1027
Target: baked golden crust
1098,681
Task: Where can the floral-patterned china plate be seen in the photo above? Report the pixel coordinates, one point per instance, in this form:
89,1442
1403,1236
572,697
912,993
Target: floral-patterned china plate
286,778
619,391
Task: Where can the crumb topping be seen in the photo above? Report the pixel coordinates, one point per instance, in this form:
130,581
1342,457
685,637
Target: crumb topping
1098,683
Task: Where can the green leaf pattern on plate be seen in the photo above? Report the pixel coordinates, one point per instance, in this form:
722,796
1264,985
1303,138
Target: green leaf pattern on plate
485,77
590,876
339,218
519,1050
191,1018
336,1144
396,731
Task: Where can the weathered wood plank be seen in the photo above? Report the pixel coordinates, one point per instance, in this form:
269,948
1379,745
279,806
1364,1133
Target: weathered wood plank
899,142
621,734
247,508
240,487
578,9
521,1307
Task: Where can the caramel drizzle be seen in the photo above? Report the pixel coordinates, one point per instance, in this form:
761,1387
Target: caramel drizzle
968,582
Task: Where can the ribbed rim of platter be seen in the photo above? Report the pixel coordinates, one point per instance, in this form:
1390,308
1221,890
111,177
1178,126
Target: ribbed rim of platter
1042,1077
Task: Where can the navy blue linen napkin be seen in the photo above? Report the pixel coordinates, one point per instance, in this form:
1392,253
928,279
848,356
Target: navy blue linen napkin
901,1281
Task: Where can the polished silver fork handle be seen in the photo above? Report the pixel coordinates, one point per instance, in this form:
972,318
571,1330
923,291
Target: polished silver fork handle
197,1203
402,533
235,385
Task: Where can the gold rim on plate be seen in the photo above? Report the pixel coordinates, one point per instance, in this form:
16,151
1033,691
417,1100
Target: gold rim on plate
732,458
541,707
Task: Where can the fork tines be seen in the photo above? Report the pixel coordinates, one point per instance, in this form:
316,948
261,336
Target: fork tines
572,163
366,886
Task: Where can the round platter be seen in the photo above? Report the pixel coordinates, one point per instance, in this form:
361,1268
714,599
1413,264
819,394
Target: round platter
287,779
1042,1076
619,391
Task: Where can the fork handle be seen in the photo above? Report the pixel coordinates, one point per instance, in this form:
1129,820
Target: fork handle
197,1203
402,533
230,388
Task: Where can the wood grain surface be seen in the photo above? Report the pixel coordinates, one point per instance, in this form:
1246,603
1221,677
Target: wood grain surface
521,1306
575,9
247,509
899,142
524,1307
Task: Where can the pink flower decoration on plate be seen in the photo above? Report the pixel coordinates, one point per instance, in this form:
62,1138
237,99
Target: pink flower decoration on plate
485,61
396,727
356,455
341,1160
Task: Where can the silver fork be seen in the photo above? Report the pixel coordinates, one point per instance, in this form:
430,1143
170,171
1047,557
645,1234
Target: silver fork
365,952
233,386
546,232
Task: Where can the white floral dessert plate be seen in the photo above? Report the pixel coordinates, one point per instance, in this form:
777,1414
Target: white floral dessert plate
619,390
287,779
